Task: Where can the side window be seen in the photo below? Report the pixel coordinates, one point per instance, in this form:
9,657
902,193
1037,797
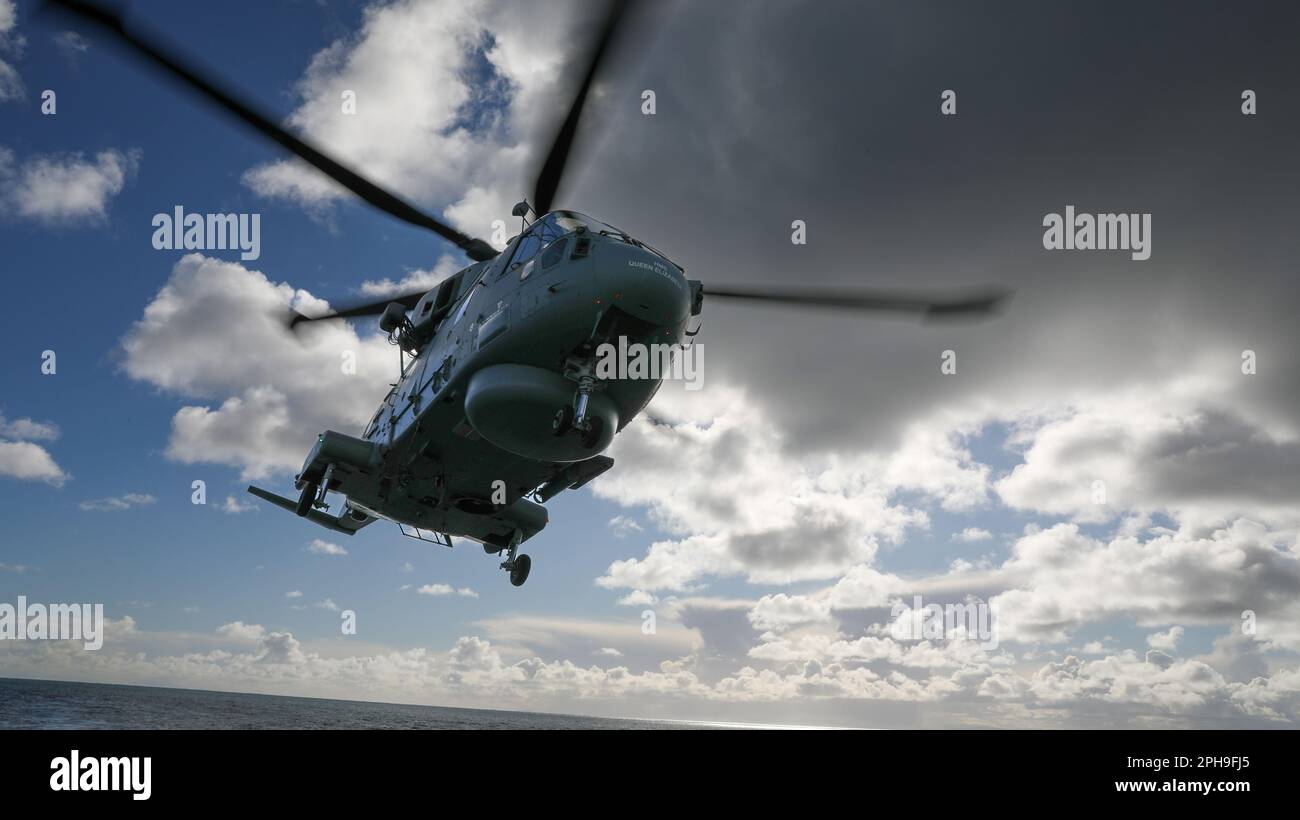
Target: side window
528,248
554,252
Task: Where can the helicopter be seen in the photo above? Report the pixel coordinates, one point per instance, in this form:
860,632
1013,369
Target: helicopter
501,406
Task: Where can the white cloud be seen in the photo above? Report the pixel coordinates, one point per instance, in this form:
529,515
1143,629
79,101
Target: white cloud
428,123
638,597
64,188
8,16
293,593
23,460
744,506
622,526
11,85
414,281
1063,579
1180,449
971,535
217,333
236,506
438,590
1166,641
240,631
28,430
950,680
31,462
322,547
118,503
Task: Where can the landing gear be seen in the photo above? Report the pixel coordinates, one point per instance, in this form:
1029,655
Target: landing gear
517,565
574,416
520,572
306,500
313,493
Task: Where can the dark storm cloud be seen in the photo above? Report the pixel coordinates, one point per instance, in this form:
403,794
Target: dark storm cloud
828,112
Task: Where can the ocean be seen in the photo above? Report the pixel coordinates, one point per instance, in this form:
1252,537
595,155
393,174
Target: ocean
42,704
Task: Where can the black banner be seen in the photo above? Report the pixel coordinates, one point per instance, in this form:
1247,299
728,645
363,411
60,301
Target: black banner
1216,770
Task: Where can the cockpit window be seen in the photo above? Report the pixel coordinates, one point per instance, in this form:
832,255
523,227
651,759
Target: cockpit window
556,224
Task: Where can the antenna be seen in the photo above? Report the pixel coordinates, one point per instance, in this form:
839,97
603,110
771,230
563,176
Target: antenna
521,210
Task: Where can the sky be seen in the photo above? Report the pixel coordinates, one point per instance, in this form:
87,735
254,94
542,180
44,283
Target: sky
829,469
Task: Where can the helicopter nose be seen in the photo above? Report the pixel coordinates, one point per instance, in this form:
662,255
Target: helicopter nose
648,287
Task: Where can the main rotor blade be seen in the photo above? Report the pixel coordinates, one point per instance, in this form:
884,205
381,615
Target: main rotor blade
548,179
408,301
973,303
161,54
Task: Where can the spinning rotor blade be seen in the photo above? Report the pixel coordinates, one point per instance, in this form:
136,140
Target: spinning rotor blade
552,172
111,22
407,301
971,304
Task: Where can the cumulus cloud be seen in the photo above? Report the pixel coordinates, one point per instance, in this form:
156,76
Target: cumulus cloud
22,459
449,98
216,333
321,547
1171,451
64,188
971,535
31,462
622,526
1063,579
1166,641
745,506
1122,688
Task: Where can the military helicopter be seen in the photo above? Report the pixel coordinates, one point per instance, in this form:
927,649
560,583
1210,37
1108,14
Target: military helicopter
500,407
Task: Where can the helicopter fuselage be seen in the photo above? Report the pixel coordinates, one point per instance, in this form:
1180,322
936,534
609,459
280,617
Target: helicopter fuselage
476,424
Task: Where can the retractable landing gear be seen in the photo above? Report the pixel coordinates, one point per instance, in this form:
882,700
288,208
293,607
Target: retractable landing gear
305,500
313,494
517,565
574,416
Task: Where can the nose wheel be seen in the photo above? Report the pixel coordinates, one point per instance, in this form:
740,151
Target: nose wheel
519,572
517,565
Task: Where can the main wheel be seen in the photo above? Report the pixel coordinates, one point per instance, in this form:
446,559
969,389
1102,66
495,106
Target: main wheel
305,500
519,573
